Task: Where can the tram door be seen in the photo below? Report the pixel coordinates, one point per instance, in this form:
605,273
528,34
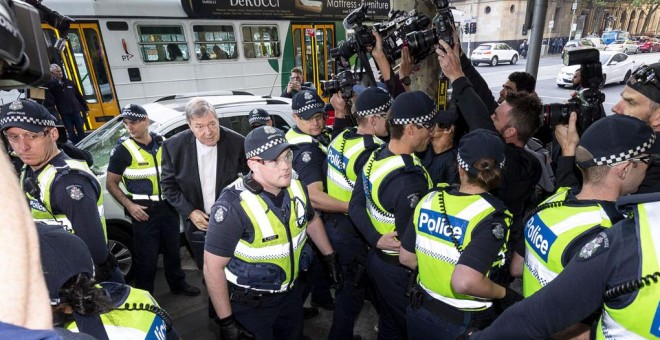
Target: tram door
312,44
84,62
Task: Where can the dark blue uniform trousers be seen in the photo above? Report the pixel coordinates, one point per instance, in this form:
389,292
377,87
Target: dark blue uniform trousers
159,233
352,252
278,316
391,282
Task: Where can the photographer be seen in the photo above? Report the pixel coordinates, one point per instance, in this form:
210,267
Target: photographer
395,85
296,84
640,98
516,120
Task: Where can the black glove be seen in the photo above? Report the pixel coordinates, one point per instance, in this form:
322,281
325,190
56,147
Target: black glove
231,329
507,301
334,269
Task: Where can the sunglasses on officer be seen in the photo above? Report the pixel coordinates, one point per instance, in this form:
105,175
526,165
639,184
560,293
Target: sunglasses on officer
645,74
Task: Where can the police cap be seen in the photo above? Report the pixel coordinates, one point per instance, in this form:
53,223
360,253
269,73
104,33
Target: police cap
266,142
25,114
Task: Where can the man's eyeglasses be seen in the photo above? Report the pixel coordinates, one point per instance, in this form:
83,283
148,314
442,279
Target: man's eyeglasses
646,159
28,136
211,126
645,75
286,159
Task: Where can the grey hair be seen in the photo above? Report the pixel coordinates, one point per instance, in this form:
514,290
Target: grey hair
199,107
53,66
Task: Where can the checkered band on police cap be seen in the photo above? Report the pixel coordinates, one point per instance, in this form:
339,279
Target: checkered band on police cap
480,144
133,112
266,142
615,139
414,107
306,103
373,100
25,114
258,116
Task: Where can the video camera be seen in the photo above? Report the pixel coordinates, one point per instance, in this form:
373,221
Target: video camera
343,82
24,52
421,43
360,40
588,104
394,31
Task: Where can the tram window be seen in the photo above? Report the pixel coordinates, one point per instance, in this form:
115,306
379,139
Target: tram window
162,44
117,25
260,41
215,42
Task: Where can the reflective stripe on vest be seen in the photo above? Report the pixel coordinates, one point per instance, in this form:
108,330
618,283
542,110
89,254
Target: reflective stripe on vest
45,180
144,167
549,232
381,219
641,318
131,319
436,235
294,137
342,154
271,243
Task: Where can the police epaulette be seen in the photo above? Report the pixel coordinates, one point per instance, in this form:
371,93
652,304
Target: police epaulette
626,203
409,164
494,201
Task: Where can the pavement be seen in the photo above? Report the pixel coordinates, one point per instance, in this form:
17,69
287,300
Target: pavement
190,314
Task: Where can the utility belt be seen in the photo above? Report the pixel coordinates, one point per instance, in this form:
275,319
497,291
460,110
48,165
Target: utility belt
250,297
390,259
478,319
150,198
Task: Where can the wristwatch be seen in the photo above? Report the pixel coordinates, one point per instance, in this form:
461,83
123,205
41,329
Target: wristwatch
406,81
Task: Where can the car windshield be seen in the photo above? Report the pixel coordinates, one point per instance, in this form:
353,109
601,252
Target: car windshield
101,142
604,58
619,41
483,47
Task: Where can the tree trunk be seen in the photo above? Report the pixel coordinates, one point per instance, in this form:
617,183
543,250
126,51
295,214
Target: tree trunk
649,16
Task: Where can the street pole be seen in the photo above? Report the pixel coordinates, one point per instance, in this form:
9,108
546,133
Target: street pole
470,34
570,33
538,26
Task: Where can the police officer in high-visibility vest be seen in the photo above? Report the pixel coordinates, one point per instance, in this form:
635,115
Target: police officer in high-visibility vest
255,244
104,310
136,162
60,190
311,138
456,236
563,223
392,182
616,271
347,154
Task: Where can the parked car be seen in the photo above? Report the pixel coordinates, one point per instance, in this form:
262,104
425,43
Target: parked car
168,118
598,43
578,44
649,45
626,46
493,54
617,67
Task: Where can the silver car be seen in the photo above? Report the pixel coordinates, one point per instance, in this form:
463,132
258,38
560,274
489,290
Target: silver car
493,54
168,118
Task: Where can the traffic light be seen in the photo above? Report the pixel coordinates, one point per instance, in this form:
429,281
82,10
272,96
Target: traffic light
473,27
467,28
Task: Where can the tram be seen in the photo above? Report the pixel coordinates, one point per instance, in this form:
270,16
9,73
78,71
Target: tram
137,51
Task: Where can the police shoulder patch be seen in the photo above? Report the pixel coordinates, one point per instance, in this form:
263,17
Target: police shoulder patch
306,156
413,199
498,230
220,213
597,245
75,192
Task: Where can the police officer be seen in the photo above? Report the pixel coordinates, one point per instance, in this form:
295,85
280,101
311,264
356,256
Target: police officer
393,180
347,154
60,190
259,117
104,310
311,138
254,246
572,216
615,272
136,162
456,236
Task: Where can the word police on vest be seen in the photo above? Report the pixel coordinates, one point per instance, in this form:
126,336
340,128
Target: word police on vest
539,236
435,224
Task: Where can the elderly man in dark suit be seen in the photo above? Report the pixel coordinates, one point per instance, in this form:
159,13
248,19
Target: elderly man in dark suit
197,164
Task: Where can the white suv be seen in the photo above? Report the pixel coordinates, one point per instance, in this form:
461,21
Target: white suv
168,118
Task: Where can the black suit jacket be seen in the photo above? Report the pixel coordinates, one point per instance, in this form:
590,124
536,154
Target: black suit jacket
180,175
